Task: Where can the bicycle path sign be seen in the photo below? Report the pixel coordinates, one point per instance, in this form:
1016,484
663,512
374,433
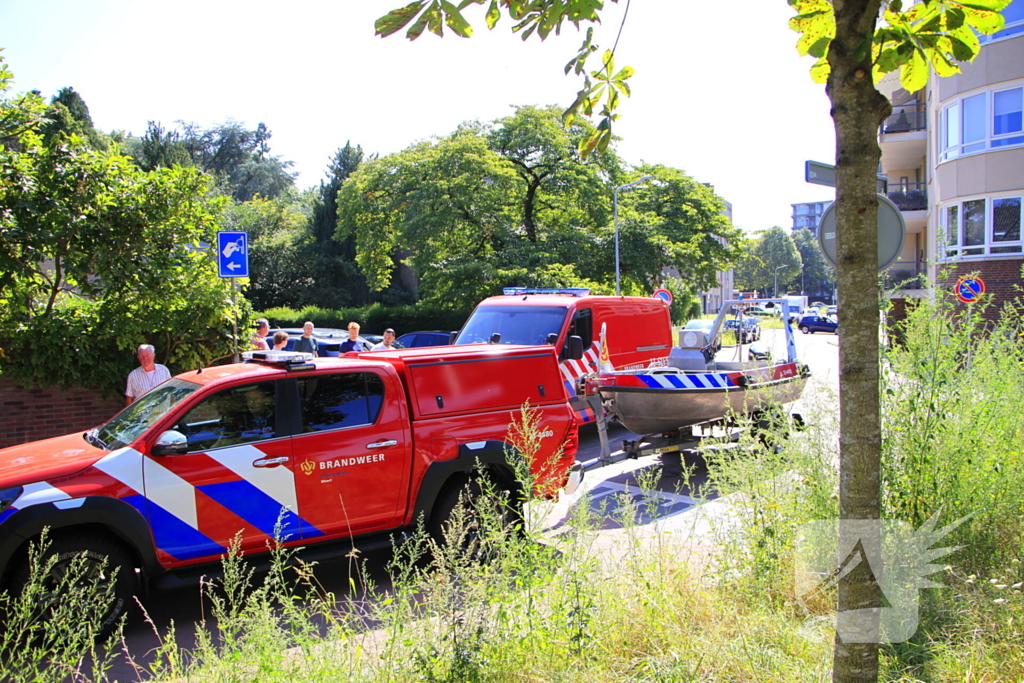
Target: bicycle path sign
969,289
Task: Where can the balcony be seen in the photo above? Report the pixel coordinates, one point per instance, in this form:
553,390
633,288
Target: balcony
909,196
905,118
904,275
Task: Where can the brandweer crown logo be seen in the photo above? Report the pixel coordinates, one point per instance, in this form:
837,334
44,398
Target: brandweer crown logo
308,466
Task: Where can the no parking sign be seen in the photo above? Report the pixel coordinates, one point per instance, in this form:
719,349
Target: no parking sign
664,295
969,289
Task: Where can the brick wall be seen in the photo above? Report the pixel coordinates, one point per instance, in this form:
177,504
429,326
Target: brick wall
39,413
1002,281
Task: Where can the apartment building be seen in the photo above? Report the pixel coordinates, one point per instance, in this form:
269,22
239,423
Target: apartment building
954,157
808,215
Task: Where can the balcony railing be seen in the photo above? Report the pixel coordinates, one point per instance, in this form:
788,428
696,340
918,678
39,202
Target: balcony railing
909,196
906,275
906,117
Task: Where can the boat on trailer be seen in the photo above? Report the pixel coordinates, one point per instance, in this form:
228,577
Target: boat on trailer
692,388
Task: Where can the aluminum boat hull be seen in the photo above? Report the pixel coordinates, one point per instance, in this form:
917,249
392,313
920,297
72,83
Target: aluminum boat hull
659,401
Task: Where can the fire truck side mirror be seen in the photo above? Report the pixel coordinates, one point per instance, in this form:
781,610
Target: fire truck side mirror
552,338
171,443
575,347
452,337
496,338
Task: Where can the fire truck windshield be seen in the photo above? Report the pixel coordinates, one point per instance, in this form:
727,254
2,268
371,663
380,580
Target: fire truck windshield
515,324
130,423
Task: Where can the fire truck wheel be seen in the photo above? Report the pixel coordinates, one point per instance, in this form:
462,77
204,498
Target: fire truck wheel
474,517
106,566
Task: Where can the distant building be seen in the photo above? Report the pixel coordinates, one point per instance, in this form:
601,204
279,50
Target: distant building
808,215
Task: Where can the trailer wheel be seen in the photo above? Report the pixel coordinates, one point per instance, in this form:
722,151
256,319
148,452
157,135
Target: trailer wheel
106,566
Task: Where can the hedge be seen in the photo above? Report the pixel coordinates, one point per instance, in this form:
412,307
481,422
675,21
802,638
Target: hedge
373,319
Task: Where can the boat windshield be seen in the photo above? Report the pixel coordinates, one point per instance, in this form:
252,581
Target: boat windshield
515,324
128,425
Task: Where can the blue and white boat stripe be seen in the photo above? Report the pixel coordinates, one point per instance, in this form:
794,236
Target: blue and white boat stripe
685,381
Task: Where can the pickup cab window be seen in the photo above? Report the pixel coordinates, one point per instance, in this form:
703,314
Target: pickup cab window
234,416
338,401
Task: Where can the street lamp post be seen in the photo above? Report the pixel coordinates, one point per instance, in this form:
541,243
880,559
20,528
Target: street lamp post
615,214
777,280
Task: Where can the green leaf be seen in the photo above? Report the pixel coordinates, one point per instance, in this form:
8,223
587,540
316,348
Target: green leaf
820,71
493,14
456,22
983,20
820,47
914,74
395,19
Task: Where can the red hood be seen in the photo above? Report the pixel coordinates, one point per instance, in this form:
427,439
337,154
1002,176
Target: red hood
46,459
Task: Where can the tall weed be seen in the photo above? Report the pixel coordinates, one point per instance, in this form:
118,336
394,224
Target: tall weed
953,437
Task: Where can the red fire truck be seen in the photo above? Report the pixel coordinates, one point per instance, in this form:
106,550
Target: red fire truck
323,453
639,329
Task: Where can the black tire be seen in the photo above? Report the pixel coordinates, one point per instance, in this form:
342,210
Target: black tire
468,493
805,329
106,561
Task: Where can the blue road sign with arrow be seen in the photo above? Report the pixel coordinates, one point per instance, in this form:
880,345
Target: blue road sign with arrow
233,254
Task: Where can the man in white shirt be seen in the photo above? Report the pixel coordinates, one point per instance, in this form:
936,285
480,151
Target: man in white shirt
386,345
146,376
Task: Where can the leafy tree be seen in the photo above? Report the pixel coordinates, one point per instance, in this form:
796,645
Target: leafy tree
95,258
339,283
19,113
558,187
68,115
773,249
238,158
674,222
818,277
444,205
515,203
280,273
159,148
851,47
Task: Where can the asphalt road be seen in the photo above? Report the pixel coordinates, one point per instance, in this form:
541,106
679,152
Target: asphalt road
653,488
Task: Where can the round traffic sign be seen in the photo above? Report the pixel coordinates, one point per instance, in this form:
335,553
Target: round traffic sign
892,230
969,289
664,295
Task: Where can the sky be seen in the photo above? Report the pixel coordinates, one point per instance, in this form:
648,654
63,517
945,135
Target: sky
719,90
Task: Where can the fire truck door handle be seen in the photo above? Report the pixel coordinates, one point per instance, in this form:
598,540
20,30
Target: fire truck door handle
382,444
270,462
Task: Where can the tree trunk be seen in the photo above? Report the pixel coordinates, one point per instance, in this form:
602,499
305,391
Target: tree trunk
857,109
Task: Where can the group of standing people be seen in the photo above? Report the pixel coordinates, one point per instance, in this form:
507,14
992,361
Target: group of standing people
149,374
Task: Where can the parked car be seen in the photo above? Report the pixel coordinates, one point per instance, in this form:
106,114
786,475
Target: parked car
415,340
705,325
328,339
759,311
747,329
832,312
760,351
809,324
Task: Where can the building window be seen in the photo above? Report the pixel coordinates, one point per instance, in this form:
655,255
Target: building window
980,122
980,227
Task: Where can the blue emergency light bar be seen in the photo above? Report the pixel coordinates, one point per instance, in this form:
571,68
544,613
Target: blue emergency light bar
571,291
